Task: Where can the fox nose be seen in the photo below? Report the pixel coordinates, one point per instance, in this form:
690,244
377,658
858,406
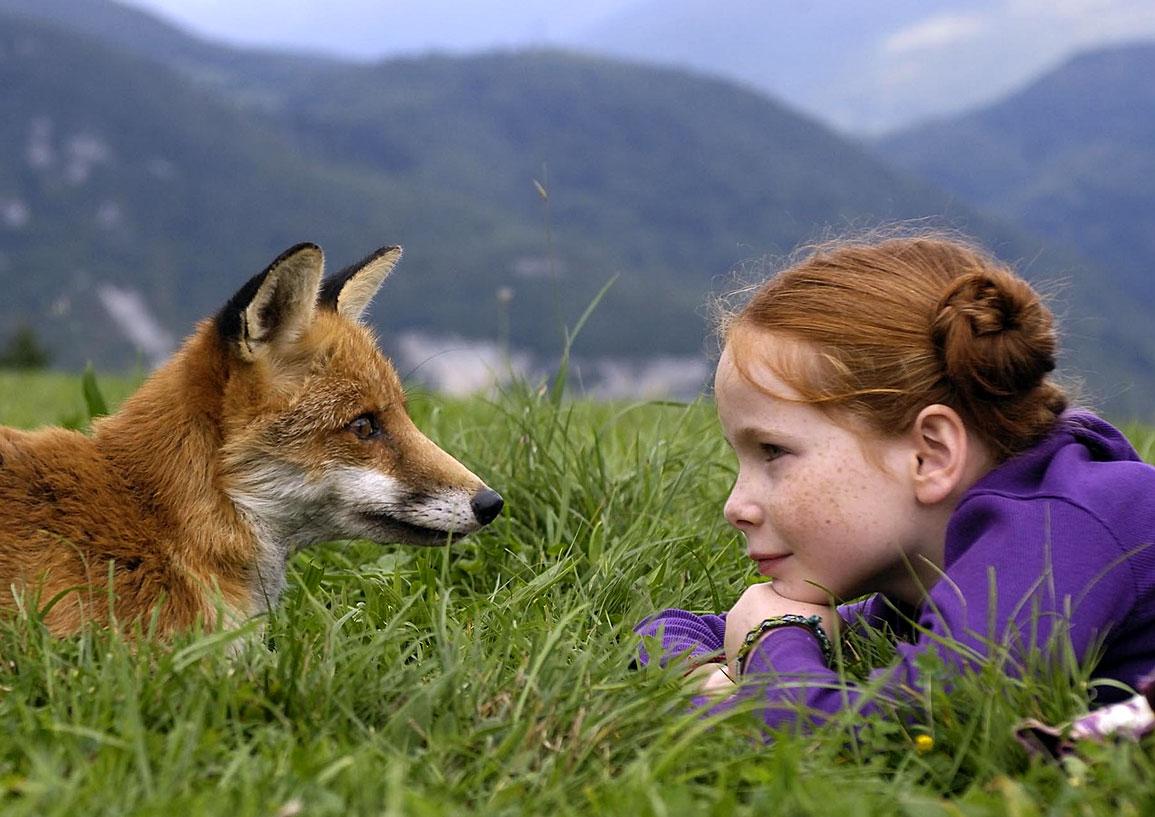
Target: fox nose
486,505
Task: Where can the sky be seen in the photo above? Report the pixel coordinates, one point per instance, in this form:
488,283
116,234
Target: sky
373,28
862,66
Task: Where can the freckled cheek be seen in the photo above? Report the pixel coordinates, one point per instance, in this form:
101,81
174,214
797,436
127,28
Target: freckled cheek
811,513
798,515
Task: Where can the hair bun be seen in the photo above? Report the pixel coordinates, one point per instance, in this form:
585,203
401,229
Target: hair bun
993,335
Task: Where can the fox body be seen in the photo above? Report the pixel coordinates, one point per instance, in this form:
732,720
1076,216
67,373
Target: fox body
278,424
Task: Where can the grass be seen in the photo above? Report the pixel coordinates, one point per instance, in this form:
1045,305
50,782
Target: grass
31,400
493,677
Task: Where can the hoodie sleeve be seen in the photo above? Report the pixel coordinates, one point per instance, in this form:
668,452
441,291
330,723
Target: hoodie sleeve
697,638
1026,564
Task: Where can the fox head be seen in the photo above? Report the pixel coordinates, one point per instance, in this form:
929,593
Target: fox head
317,443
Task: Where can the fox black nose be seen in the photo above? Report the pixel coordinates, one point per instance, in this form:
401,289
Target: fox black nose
486,505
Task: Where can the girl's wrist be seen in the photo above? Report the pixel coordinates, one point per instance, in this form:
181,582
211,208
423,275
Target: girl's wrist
814,624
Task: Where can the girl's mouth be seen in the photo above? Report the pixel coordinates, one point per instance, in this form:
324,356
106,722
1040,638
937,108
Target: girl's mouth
769,565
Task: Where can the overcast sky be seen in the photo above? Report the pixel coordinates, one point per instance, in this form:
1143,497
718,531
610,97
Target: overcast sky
862,65
373,28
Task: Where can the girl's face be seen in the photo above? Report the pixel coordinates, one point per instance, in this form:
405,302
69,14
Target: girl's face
828,509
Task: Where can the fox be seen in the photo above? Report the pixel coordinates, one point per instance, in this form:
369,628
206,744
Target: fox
278,424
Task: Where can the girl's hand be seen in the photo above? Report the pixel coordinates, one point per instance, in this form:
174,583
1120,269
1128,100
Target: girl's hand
711,679
760,602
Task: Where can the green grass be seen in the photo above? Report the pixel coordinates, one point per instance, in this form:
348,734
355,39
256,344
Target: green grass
32,400
493,677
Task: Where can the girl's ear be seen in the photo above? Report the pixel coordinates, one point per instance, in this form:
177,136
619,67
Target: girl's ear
941,452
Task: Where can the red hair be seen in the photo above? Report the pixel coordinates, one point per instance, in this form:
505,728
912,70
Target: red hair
903,323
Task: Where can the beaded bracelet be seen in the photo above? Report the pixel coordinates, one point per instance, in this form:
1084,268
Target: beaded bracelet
811,623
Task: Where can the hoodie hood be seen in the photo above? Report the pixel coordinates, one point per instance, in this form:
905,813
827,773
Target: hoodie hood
1104,442
1078,436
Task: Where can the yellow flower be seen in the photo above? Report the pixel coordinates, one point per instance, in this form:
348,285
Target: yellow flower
923,744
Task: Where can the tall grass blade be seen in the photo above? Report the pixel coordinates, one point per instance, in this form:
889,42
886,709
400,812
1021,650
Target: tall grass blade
557,390
94,401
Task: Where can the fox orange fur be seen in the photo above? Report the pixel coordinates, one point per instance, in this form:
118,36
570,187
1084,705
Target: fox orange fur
278,424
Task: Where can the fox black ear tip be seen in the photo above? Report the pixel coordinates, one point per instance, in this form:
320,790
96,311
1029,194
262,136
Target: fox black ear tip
303,248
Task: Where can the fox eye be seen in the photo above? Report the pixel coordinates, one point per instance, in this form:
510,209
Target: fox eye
365,427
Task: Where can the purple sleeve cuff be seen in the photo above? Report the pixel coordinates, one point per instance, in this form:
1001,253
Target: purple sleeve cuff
683,634
787,672
787,651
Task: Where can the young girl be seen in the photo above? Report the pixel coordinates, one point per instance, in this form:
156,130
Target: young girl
899,441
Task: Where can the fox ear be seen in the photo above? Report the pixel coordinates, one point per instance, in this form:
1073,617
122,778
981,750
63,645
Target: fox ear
350,291
277,305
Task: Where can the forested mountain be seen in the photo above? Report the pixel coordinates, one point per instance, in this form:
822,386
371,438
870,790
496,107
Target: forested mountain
118,171
177,171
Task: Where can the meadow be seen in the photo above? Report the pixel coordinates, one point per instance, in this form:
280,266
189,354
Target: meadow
493,676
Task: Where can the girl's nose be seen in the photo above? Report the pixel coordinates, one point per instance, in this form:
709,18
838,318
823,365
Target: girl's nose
740,510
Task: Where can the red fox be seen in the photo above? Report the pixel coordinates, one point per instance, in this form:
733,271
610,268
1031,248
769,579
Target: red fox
278,424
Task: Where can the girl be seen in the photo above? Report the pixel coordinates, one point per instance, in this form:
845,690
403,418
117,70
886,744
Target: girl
899,441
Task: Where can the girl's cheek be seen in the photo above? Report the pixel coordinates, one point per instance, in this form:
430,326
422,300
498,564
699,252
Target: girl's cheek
795,509
815,514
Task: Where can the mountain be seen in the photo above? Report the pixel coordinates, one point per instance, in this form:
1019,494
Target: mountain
130,30
544,174
861,66
121,176
656,174
1069,157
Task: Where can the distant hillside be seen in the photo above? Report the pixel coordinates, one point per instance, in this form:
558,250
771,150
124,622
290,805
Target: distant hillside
139,33
668,178
641,181
121,166
117,171
1071,157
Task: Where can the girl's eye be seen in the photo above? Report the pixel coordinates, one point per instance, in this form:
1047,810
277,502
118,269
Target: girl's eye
772,452
365,427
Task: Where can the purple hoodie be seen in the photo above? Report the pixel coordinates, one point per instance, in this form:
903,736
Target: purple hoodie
1067,525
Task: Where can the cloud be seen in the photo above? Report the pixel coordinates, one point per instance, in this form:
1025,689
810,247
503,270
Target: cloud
1089,21
935,32
1071,9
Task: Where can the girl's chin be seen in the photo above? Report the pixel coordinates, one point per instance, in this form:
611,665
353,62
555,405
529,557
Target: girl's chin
801,592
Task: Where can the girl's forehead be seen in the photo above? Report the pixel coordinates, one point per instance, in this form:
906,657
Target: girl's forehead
757,399
753,398
757,366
